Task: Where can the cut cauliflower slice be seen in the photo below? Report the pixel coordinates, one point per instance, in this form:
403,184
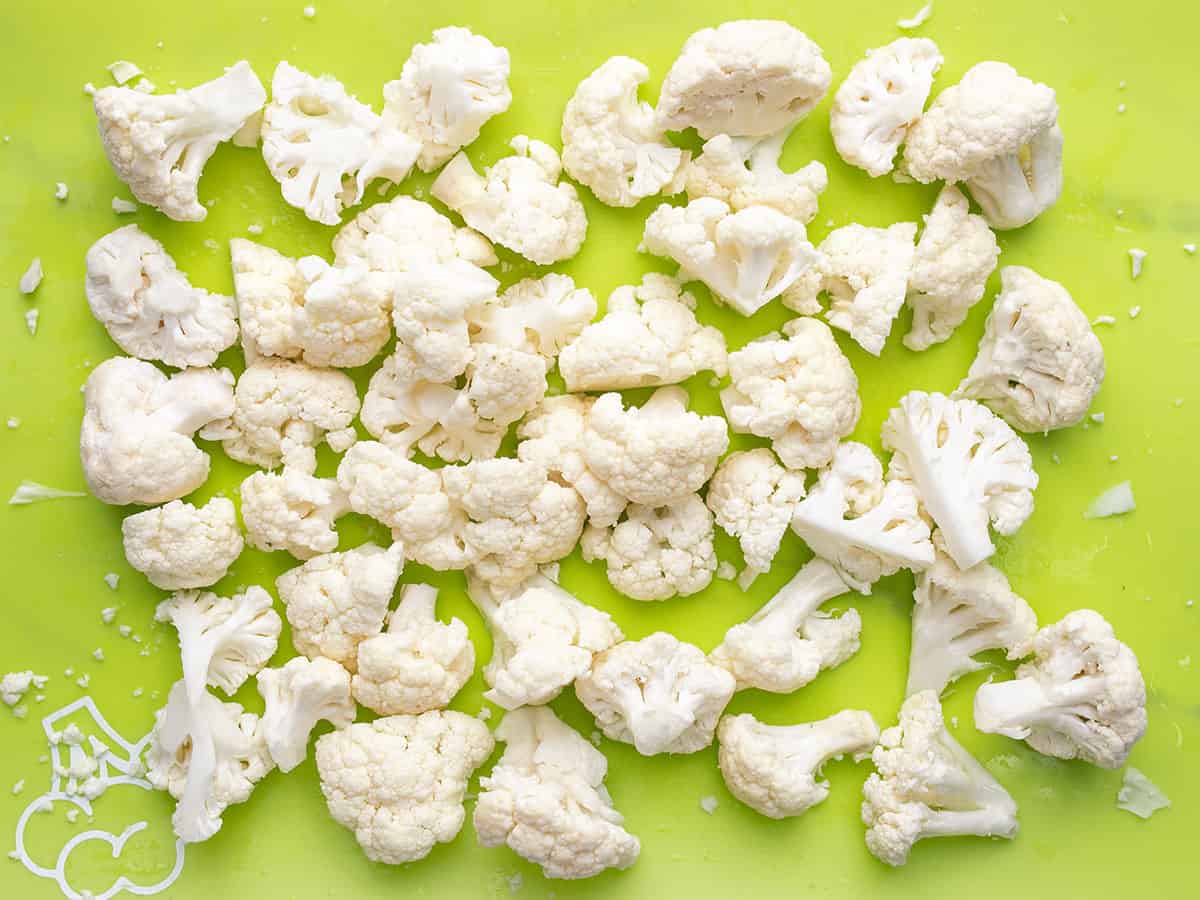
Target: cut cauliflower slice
293,511
394,236
181,546
536,315
745,172
297,696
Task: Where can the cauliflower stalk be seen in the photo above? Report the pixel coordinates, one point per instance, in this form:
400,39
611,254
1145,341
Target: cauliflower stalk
181,546
297,696
745,172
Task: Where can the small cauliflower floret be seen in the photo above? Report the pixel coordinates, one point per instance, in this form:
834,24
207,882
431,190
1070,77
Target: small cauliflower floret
430,315
954,257
612,143
999,133
745,172
775,769
967,466
864,528
747,258
654,455
399,782
293,511
270,299
136,439
536,315
297,696
926,785
1040,365
749,77
158,145
519,202
543,639
1081,696
784,645
880,100
753,498
447,90
336,601
800,392
182,546
419,663
394,236
149,308
403,410
547,801
659,694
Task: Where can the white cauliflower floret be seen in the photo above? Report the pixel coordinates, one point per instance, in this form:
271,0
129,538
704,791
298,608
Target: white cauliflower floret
864,528
800,392
158,145
967,466
748,77
998,132
399,782
784,645
745,172
394,236
612,143
297,696
419,663
1040,365
927,785
1081,696
270,299
293,511
403,410
659,694
648,336
336,601
181,546
547,801
954,257
430,315
149,308
519,202
136,439
775,769
535,315
880,100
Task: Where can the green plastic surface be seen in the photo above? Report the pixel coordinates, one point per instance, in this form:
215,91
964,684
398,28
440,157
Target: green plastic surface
1130,180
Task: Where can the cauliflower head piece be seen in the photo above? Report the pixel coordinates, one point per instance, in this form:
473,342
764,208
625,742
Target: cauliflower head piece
745,172
293,511
297,696
181,546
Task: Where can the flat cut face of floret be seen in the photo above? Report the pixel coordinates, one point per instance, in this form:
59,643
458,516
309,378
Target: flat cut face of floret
298,695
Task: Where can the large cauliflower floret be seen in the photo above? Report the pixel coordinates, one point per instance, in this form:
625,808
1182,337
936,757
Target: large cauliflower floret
547,801
749,77
745,172
158,145
519,202
800,392
181,546
149,308
954,257
927,785
647,337
998,132
784,645
536,315
776,769
135,443
1039,364
447,90
394,236
419,663
967,466
864,528
399,782
612,143
336,601
1081,696
659,694
297,696
293,511
880,100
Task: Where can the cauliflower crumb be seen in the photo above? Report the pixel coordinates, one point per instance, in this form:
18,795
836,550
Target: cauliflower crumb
98,654
1121,109
954,721
515,882
72,816
61,190
709,804
485,713
1189,248
20,712
1056,459
1113,458
137,692
1104,320
254,229
726,571
1134,312
1184,661
121,206
310,12
14,422
68,672
32,277
1098,418
1137,256
84,681
18,787
145,86
31,320
125,630
113,580
89,88
212,245
1113,502
1139,795
917,19
595,737
123,70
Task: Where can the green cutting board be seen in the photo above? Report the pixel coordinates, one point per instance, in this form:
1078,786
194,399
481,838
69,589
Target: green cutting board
1130,180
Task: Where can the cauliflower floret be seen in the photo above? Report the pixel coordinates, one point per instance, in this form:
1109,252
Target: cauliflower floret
1081,697
158,145
999,133
612,143
419,663
149,308
774,769
394,236
181,546
954,257
880,100
519,202
967,466
293,511
270,300
745,172
135,443
1040,365
297,696
647,337
547,801
749,77
659,694
399,782
536,315
402,409
430,315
